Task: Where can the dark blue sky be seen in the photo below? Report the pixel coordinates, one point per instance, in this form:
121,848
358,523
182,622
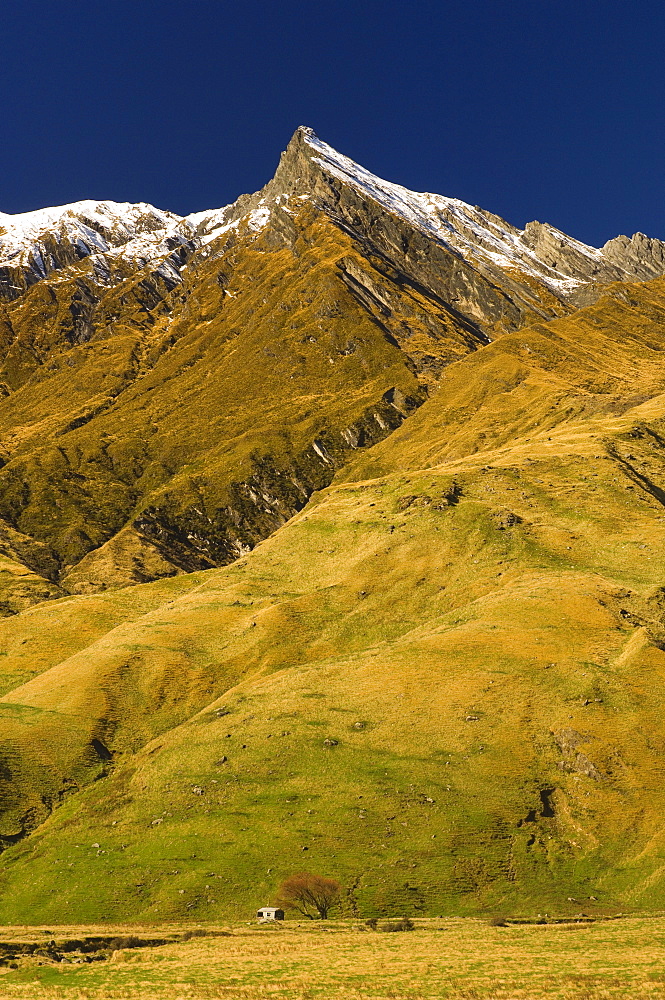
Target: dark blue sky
545,110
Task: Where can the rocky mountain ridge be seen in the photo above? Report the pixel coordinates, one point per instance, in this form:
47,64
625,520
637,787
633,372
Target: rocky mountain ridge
35,244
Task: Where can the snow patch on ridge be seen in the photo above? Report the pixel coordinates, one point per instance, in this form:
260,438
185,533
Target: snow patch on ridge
210,225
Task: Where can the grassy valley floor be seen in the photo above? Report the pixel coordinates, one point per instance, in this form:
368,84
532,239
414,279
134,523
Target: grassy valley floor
456,959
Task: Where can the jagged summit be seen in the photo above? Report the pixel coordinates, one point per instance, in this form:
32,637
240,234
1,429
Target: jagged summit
560,261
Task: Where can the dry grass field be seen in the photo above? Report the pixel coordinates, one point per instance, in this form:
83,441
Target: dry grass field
456,959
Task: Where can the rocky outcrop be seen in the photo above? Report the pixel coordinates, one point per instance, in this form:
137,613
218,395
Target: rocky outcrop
640,257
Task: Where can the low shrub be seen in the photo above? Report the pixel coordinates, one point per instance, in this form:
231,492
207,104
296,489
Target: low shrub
403,924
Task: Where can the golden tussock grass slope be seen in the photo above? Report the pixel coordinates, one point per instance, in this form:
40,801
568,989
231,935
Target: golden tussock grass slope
440,682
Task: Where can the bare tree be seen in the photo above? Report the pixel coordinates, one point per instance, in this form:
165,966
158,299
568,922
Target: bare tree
309,895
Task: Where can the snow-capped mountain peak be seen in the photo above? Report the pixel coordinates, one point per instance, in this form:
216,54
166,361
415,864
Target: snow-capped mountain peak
35,244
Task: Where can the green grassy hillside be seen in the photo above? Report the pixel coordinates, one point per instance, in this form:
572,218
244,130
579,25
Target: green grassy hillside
440,682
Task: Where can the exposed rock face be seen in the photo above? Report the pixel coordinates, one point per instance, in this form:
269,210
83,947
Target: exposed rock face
641,255
156,371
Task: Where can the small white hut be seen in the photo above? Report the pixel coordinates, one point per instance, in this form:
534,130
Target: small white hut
269,913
